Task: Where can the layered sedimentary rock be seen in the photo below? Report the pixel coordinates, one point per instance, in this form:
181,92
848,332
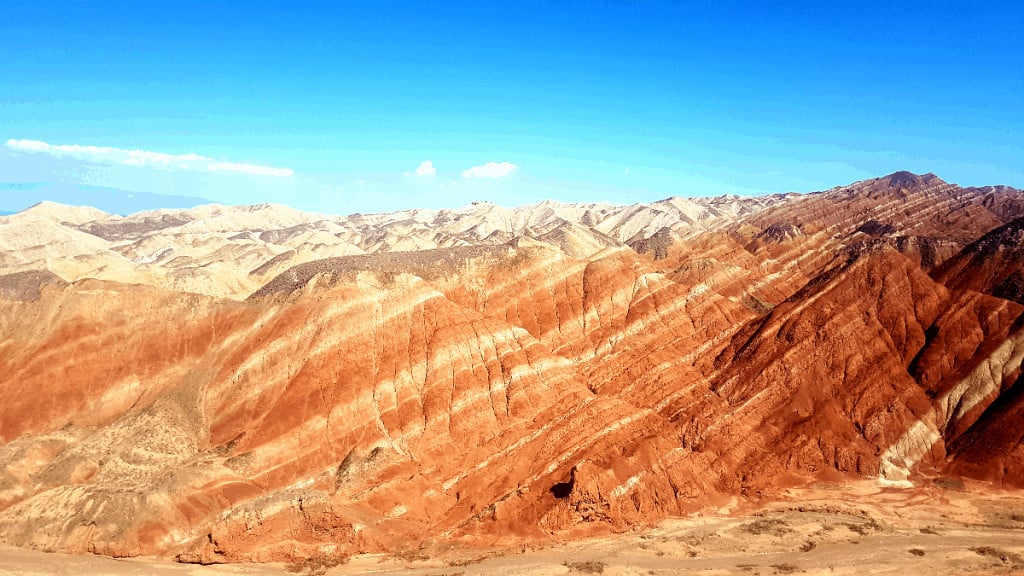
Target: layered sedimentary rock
259,383
993,265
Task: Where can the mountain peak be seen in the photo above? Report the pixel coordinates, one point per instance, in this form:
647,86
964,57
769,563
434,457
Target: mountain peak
903,179
66,213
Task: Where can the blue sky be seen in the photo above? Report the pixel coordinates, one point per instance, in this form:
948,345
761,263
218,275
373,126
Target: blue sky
333,106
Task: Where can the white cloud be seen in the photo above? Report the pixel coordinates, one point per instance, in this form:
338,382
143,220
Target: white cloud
490,170
426,168
254,169
108,155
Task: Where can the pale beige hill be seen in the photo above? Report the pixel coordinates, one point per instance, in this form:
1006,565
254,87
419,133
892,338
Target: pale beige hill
223,266
683,215
573,239
228,251
773,244
320,232
29,230
61,213
400,236
636,222
583,228
729,205
209,249
29,241
300,255
207,211
133,227
176,250
205,219
218,218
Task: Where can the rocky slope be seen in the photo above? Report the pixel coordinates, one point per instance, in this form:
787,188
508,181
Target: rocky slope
259,383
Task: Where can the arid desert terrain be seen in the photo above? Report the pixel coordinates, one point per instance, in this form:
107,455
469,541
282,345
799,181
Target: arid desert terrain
857,528
797,383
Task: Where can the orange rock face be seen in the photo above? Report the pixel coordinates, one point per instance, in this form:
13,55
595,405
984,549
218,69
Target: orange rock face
555,369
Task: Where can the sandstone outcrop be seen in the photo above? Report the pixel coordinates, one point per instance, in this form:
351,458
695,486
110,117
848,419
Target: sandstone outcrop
226,384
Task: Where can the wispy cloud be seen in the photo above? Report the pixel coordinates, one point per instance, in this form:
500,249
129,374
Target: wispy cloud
426,168
490,170
148,158
254,169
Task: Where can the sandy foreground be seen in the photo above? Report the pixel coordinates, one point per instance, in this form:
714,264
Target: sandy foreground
857,528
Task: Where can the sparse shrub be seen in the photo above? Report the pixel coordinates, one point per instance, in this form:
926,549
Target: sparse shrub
862,529
999,554
411,555
317,564
588,567
461,562
772,526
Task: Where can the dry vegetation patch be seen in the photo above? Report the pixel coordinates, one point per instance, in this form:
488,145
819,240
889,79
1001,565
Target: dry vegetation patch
589,567
1015,560
317,564
770,526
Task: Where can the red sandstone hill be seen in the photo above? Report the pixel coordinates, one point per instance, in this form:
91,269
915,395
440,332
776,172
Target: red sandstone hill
994,264
258,383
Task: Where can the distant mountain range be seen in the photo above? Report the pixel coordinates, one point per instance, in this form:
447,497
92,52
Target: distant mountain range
15,197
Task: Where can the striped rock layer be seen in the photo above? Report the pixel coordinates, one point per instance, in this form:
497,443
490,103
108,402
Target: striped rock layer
230,384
